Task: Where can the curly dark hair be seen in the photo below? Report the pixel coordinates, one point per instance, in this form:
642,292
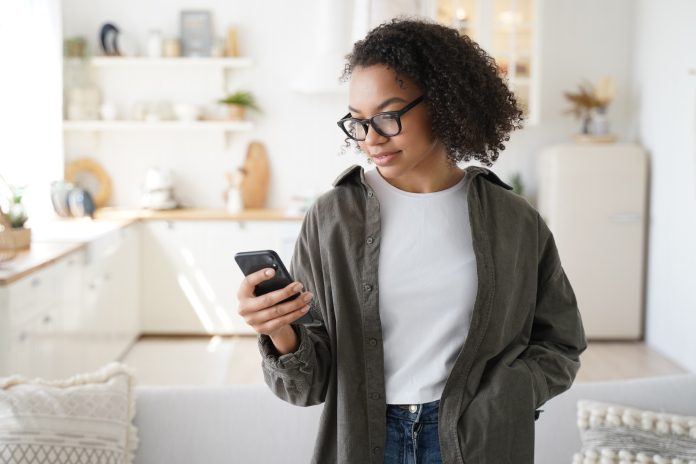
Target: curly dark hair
472,109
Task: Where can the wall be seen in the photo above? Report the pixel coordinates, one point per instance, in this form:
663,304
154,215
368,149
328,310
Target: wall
666,95
298,129
578,40
31,137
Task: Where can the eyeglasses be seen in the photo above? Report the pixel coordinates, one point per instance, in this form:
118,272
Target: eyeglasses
386,124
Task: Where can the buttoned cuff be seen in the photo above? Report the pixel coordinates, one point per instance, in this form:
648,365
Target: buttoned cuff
274,360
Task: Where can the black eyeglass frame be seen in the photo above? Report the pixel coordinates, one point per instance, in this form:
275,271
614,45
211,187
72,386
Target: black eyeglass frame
367,123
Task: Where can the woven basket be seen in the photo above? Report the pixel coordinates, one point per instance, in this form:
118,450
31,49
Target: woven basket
8,249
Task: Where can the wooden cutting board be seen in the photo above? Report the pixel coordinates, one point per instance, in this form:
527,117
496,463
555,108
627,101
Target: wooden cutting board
256,176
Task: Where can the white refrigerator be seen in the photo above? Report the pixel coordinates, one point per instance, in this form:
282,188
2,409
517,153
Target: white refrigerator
594,199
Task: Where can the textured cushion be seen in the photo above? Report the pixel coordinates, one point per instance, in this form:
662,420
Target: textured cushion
85,418
613,433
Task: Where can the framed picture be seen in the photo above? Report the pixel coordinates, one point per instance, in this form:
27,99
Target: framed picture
196,33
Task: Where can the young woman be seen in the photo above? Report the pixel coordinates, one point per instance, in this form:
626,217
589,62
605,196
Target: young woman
444,318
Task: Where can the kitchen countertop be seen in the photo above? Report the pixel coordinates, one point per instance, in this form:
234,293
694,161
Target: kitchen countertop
53,240
37,257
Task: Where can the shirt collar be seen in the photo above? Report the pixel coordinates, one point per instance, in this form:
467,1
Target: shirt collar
357,172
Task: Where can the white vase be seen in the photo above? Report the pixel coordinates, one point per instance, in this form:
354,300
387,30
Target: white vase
599,122
154,44
234,201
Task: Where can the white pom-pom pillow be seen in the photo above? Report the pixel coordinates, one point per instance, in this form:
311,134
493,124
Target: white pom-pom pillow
618,434
83,419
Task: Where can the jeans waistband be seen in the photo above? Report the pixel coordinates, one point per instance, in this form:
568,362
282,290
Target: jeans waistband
423,411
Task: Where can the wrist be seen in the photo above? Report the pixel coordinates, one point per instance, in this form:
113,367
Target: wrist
285,340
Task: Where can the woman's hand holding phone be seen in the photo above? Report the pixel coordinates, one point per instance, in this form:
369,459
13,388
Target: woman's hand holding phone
266,315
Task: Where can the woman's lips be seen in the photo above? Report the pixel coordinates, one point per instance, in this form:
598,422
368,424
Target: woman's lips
384,158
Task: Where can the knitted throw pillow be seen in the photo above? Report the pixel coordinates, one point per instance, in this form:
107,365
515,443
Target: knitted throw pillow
616,434
83,419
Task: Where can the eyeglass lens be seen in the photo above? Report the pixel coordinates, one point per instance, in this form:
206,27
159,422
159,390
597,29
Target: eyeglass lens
385,124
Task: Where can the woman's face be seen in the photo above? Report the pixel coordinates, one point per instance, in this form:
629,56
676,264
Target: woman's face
408,155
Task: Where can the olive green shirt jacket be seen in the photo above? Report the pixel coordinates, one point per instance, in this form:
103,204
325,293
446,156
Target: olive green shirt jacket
522,349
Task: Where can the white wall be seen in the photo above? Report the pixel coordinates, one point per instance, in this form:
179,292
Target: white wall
299,130
31,137
667,99
579,40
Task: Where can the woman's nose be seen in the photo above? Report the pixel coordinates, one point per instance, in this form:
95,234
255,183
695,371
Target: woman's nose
373,137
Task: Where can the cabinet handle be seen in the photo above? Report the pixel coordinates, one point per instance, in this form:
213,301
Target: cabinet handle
35,283
47,319
170,225
22,336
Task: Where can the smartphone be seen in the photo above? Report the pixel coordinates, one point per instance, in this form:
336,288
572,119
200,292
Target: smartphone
253,261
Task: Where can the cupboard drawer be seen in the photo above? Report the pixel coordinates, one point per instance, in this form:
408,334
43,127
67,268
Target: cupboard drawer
32,294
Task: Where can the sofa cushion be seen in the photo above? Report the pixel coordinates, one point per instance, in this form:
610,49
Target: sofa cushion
614,433
85,418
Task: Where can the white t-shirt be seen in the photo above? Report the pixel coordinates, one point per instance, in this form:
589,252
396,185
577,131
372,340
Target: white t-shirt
427,286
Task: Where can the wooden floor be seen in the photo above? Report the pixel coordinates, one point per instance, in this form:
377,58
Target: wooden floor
236,360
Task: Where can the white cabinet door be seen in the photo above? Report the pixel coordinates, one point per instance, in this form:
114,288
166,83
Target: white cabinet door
31,316
222,271
170,262
110,297
190,278
71,332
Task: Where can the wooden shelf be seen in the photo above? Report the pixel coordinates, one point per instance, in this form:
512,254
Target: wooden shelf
225,126
125,62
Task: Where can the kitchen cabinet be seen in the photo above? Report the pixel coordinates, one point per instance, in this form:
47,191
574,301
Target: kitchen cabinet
110,304
155,276
75,314
508,31
190,278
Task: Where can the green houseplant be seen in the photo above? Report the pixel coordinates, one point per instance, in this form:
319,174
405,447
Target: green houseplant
16,215
237,104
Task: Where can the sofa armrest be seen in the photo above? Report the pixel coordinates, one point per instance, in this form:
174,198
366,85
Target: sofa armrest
556,434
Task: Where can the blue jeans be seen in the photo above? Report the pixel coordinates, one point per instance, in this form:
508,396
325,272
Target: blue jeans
412,437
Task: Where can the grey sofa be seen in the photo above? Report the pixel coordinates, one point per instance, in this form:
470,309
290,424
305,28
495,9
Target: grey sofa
246,424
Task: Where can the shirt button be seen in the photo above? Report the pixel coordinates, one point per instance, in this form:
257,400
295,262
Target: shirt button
375,450
374,395
373,342
370,194
370,240
367,287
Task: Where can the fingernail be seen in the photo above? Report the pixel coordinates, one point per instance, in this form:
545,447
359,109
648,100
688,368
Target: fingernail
297,287
305,309
269,272
307,297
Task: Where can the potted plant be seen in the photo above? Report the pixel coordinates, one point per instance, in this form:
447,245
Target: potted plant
590,105
237,103
16,214
516,184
